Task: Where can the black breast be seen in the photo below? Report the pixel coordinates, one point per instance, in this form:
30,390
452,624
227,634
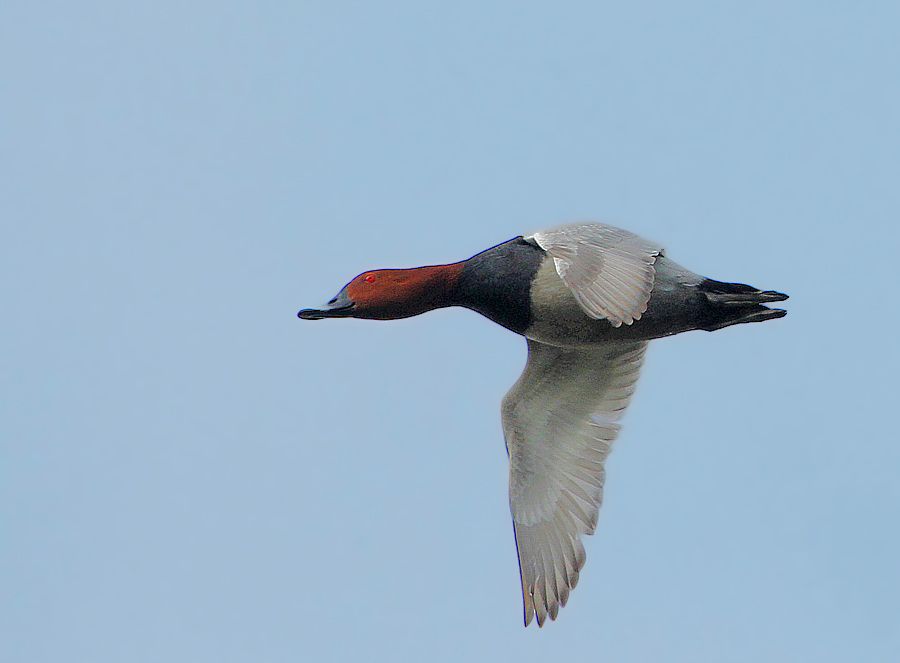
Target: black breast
497,283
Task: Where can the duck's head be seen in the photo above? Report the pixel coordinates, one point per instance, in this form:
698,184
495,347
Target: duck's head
389,294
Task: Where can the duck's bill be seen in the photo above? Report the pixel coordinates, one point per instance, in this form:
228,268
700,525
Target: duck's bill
341,306
325,312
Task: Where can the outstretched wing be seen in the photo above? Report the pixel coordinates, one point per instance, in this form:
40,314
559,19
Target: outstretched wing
560,419
609,270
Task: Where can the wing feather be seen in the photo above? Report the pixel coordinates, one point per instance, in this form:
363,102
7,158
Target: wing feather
610,271
559,420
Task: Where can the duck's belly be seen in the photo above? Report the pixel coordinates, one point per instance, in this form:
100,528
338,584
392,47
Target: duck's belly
556,318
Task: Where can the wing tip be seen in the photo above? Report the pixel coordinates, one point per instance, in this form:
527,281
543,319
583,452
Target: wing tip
528,607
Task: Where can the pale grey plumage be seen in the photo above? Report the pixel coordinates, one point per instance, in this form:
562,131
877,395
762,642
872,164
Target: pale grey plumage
609,270
561,416
559,420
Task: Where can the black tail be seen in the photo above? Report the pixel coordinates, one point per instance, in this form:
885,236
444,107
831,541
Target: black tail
736,303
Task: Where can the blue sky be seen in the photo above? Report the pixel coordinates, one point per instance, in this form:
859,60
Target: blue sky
189,473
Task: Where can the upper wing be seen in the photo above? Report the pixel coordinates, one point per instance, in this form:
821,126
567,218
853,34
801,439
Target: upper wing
559,420
609,270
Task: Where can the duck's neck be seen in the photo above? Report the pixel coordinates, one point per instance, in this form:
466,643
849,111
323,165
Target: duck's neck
497,283
433,286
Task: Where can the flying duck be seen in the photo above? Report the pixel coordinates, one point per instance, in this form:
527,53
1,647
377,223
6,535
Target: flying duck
587,298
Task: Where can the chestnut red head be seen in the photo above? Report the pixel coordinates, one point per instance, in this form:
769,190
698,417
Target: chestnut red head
389,294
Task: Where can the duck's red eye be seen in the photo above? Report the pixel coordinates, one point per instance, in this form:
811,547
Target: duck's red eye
370,278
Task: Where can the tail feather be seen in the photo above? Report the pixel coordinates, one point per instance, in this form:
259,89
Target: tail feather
738,294
755,313
737,303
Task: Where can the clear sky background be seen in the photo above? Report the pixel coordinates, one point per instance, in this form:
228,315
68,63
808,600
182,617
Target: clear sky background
189,473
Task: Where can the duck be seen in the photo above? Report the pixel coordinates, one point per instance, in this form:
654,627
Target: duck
588,298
